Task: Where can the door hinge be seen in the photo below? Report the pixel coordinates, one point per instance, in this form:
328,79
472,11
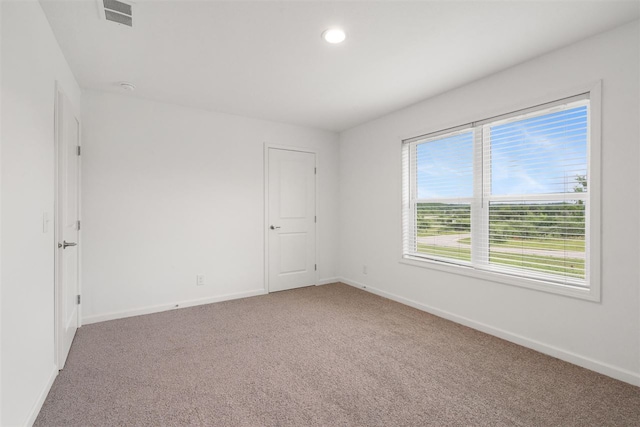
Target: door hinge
315,267
315,171
315,219
79,150
78,225
78,299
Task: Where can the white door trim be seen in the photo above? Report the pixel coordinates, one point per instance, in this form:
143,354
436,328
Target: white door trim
56,223
267,147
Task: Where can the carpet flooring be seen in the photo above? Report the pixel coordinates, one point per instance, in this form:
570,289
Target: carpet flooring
330,355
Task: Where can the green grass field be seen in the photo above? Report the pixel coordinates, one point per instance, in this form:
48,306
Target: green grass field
436,232
548,244
572,267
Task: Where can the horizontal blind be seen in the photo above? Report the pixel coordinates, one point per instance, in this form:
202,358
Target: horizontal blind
438,191
535,194
518,181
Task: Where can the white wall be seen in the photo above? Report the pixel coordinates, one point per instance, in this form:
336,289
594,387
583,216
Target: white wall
602,336
172,192
31,63
0,214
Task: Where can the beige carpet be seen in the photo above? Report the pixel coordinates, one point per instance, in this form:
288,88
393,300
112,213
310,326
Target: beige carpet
330,355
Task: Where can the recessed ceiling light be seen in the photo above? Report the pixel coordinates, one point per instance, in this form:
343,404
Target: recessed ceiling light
334,35
130,87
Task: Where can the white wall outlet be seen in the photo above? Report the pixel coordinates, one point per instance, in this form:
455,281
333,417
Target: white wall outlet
200,279
364,269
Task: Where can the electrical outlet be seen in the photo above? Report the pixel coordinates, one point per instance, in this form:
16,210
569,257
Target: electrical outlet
364,269
200,279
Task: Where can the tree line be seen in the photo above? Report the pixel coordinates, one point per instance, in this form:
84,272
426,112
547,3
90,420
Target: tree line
509,221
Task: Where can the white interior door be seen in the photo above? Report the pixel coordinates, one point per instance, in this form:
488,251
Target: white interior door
291,219
67,226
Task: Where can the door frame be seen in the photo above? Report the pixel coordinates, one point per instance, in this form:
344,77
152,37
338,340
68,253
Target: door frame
59,92
267,147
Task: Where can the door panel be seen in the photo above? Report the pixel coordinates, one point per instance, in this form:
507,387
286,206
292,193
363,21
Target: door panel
291,216
293,188
67,226
293,252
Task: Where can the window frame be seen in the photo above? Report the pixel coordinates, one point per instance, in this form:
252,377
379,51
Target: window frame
592,291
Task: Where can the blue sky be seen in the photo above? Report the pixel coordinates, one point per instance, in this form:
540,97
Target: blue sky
445,167
541,154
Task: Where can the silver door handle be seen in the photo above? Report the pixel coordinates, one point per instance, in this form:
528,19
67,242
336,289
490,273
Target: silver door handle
273,227
65,244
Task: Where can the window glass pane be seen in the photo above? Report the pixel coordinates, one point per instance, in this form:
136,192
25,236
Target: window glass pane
444,230
444,167
540,155
546,237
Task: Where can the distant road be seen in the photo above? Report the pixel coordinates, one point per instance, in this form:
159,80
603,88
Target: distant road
451,240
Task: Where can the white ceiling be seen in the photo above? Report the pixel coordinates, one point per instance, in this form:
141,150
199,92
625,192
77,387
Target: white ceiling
267,60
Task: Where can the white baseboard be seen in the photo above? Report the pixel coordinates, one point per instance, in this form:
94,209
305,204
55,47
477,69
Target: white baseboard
576,359
165,307
41,398
189,303
327,281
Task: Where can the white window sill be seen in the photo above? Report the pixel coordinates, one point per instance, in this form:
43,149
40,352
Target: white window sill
538,285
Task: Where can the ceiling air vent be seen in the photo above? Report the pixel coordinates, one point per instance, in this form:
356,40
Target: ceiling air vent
116,11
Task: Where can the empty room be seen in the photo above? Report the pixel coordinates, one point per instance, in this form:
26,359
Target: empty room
314,213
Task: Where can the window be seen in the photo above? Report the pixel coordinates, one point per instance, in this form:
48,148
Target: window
509,195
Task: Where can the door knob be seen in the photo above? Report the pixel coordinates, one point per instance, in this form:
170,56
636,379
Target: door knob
273,227
65,244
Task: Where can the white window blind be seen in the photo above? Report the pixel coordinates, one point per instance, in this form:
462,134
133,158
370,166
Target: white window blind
441,188
508,194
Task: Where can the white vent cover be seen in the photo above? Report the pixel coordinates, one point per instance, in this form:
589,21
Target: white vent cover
116,11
